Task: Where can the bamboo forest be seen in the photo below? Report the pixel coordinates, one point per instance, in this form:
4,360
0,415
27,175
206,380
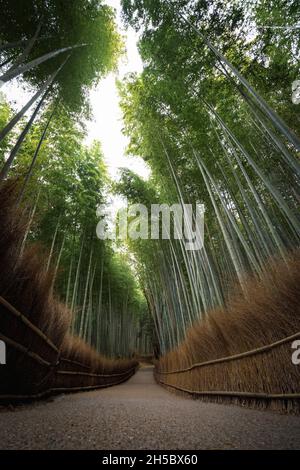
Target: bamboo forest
179,113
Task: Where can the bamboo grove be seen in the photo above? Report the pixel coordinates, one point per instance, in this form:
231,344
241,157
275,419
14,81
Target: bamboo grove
59,180
205,114
215,115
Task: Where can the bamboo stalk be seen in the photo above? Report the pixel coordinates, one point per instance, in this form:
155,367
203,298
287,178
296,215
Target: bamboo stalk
90,374
221,393
30,171
58,390
12,310
25,351
259,350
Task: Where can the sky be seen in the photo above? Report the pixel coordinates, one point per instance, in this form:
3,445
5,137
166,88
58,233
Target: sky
106,125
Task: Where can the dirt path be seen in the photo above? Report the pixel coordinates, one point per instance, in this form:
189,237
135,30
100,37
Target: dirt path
141,415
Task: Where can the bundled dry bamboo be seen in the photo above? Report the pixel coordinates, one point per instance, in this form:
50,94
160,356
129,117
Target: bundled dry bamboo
266,377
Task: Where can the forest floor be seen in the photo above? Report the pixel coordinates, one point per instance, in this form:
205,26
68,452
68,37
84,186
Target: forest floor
139,414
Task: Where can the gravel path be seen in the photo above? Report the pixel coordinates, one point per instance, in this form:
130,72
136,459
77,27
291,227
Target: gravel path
141,415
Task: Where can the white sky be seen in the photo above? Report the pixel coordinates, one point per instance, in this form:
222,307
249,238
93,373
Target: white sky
107,123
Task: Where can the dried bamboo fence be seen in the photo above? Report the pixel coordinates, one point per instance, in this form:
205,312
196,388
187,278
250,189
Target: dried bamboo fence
231,377
32,351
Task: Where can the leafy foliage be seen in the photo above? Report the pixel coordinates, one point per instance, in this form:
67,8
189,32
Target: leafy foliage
63,24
